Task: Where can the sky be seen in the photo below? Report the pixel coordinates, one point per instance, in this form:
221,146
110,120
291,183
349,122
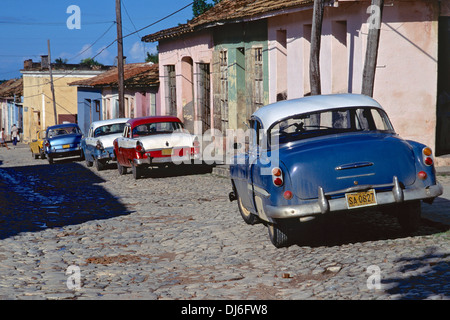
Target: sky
79,29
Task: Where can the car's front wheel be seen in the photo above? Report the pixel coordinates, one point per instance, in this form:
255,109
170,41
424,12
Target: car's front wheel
408,216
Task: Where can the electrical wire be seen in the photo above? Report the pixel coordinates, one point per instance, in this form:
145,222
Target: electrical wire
114,41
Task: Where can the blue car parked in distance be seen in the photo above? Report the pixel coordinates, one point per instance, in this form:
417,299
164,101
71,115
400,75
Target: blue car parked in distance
97,146
62,140
323,154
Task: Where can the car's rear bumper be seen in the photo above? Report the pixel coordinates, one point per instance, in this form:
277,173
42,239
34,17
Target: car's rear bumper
149,161
59,152
324,204
105,154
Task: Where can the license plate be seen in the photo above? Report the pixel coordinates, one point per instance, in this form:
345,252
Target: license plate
66,146
166,152
361,199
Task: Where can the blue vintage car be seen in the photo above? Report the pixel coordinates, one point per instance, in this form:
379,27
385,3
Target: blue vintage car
62,140
323,154
97,146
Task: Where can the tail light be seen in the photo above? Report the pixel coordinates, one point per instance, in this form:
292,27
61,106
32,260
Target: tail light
140,147
427,156
277,177
99,145
47,144
288,195
422,175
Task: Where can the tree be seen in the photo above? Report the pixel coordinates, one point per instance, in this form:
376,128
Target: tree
152,57
201,6
60,61
316,31
90,62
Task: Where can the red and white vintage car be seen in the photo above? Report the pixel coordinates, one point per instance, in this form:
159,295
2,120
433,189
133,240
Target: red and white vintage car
154,141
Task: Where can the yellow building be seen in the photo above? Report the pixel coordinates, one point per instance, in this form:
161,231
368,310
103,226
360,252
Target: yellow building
38,107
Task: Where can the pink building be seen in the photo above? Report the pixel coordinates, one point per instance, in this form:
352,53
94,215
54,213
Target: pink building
412,78
141,90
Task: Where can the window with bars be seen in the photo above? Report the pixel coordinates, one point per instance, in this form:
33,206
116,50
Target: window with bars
223,57
171,89
258,88
204,94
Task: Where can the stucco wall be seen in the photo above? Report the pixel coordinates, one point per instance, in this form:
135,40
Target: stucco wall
190,49
406,74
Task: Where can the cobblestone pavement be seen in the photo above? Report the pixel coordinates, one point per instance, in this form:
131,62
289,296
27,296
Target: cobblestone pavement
70,232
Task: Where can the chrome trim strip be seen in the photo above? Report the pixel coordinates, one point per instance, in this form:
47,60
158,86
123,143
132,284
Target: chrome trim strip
354,165
356,176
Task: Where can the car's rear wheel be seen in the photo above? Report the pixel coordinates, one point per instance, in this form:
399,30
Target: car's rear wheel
50,159
408,216
278,235
248,217
122,170
88,163
99,165
41,153
137,171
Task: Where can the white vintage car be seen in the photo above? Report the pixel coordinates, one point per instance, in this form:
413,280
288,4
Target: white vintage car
154,141
97,146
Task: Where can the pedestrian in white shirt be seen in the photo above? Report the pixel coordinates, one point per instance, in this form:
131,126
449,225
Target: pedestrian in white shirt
14,133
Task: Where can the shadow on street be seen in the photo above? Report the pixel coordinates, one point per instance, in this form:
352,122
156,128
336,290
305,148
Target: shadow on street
33,198
431,277
356,227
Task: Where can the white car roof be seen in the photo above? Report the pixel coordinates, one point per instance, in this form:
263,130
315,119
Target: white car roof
283,109
96,124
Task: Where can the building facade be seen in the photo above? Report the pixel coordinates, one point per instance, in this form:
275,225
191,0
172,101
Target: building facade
98,97
258,52
38,107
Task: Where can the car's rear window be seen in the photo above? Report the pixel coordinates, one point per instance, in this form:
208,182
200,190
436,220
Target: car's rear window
109,129
157,128
63,131
327,122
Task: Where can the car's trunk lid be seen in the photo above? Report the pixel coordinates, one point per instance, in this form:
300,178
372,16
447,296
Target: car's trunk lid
339,162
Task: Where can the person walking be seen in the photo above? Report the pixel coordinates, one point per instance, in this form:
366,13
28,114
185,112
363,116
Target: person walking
14,134
3,139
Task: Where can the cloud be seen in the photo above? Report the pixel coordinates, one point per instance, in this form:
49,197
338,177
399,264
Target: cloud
137,52
85,52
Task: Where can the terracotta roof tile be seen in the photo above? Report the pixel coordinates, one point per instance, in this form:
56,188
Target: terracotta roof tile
11,87
135,75
227,11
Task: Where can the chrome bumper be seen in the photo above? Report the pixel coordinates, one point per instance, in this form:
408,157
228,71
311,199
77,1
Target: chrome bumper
162,160
324,205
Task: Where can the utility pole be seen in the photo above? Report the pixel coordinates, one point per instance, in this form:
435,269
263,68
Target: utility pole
51,82
120,60
316,32
373,38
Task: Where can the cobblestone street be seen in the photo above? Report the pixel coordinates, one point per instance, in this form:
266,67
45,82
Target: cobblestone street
70,232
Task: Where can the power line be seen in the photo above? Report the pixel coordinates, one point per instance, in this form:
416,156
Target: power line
114,41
